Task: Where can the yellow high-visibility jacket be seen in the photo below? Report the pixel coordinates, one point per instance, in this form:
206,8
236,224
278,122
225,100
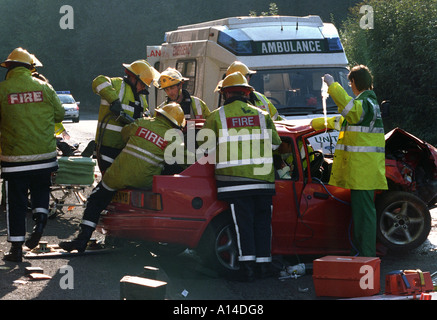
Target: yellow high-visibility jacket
29,109
111,89
246,137
143,155
359,158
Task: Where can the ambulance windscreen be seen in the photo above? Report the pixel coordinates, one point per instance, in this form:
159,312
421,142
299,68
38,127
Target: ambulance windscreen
298,91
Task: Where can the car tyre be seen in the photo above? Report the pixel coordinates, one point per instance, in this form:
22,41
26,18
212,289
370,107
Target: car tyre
404,220
218,247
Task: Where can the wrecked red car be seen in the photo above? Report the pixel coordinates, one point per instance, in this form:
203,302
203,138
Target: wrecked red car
309,215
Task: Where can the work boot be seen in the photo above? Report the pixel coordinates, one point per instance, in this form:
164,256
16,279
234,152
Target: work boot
246,272
80,242
15,254
40,223
89,150
266,270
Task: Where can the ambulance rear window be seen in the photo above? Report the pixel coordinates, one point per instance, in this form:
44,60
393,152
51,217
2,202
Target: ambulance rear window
188,70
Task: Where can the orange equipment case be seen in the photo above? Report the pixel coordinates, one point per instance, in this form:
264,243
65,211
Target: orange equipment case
346,276
408,282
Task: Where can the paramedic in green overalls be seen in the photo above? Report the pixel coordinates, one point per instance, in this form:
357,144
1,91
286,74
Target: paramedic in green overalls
359,159
141,159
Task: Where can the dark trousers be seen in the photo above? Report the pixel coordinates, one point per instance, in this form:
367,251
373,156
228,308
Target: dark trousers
17,194
252,217
98,200
106,157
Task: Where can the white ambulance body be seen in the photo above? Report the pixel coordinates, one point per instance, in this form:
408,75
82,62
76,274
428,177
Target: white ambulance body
290,55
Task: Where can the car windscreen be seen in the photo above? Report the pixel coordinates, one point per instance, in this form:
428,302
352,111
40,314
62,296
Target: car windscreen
66,99
298,91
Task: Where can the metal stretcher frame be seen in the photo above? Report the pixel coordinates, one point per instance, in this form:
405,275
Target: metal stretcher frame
59,194
68,195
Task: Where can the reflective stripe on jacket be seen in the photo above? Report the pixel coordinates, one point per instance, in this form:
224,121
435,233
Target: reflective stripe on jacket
246,136
29,108
359,159
111,89
199,107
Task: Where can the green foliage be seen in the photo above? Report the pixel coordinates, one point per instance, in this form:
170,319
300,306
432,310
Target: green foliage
273,11
401,51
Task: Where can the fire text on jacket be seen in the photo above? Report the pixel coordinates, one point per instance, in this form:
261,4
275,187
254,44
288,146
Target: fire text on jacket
151,136
245,121
25,97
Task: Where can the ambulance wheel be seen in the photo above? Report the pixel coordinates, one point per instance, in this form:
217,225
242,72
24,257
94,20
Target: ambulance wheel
218,247
404,220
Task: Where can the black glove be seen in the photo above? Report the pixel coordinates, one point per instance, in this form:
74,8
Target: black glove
125,118
115,107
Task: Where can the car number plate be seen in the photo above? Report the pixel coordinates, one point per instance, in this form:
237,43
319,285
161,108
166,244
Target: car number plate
121,197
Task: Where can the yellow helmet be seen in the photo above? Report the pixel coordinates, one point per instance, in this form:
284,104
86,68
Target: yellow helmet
173,112
22,56
170,77
235,79
238,66
143,70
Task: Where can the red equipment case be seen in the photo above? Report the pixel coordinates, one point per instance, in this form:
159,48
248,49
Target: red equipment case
408,282
346,276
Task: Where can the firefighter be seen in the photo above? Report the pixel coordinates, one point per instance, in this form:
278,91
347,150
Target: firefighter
245,181
359,158
258,99
171,81
29,110
141,159
122,101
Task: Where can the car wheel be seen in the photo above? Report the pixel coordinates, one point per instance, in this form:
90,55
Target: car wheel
76,120
404,220
218,247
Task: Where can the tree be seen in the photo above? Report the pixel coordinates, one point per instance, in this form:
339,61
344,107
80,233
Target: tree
273,11
401,52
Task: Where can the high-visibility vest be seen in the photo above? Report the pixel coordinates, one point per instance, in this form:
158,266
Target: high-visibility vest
199,107
359,158
142,157
246,136
29,110
111,89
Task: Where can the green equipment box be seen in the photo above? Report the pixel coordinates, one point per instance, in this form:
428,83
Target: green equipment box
75,171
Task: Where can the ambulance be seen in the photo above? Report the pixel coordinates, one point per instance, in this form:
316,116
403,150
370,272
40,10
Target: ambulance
289,54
